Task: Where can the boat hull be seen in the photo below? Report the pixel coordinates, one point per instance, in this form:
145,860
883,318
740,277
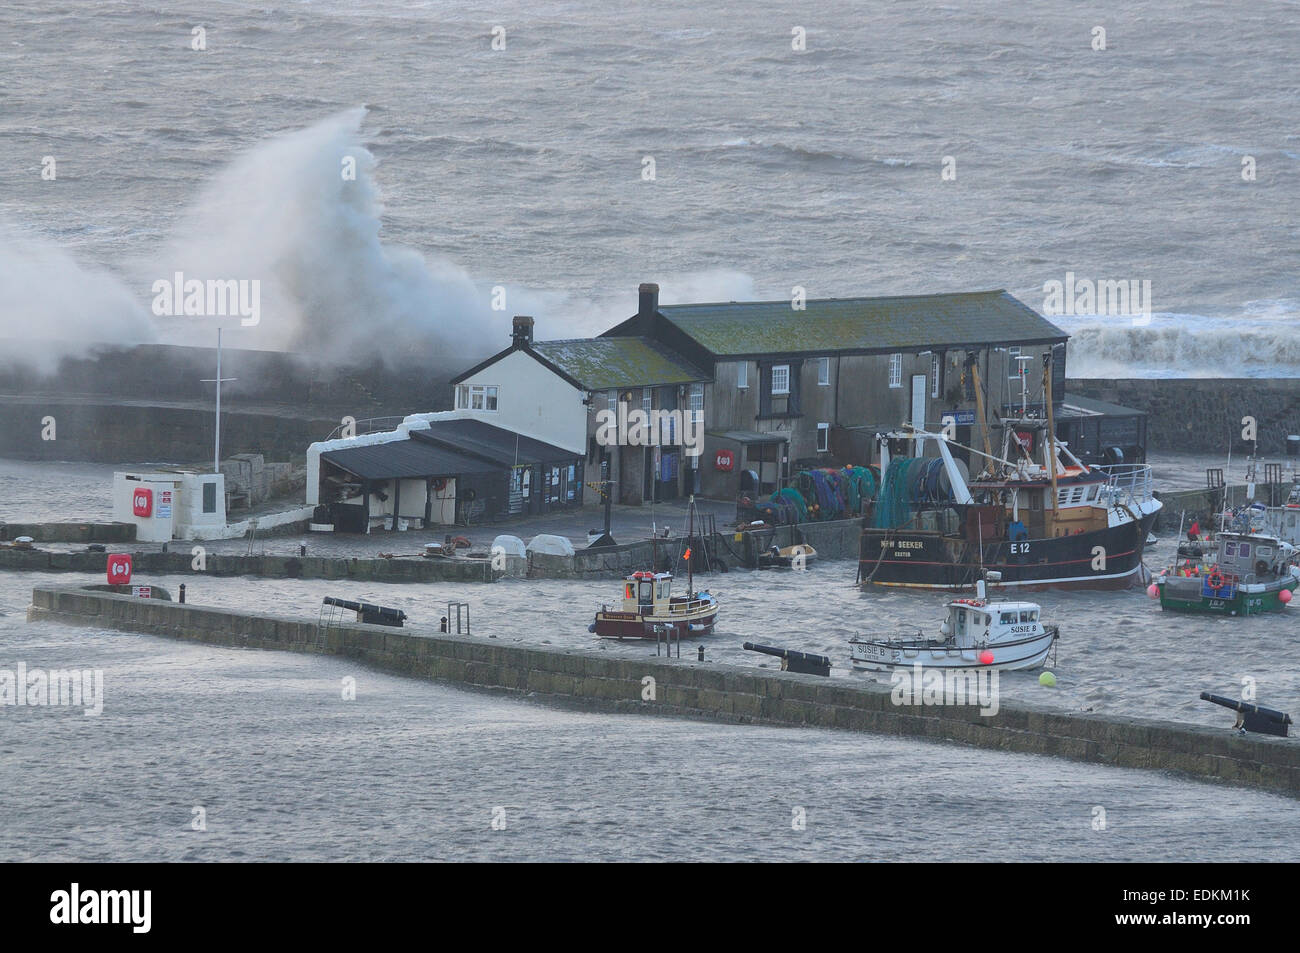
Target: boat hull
1189,595
631,625
930,560
891,655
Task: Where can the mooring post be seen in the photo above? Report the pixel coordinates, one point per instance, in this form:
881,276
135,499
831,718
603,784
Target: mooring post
182,592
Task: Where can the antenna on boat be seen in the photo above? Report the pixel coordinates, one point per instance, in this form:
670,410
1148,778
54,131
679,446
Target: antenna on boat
1051,430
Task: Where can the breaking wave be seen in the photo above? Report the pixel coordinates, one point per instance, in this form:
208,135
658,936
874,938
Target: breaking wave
1261,341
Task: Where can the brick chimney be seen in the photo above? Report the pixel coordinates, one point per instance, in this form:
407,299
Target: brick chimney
522,330
645,312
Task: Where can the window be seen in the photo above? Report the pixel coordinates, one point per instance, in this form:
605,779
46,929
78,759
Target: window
895,370
781,379
1008,618
478,397
823,438
1013,366
823,371
647,399
697,402
1028,615
612,398
935,365
209,496
742,375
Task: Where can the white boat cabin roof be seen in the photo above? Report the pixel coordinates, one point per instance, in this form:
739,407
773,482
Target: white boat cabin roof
981,605
646,576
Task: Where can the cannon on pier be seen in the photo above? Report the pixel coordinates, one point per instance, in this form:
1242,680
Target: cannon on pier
369,612
1263,721
792,661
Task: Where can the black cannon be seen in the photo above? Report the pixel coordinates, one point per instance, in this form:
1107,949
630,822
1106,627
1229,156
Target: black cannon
792,661
1263,721
369,612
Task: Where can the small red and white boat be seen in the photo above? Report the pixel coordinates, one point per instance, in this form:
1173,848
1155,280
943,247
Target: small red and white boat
648,603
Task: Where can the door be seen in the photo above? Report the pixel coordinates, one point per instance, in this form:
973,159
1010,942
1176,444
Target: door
918,401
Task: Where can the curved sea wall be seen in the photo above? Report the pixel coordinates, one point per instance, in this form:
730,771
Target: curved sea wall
1203,414
688,688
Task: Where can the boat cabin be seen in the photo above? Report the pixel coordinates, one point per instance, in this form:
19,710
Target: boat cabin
1244,554
973,622
647,592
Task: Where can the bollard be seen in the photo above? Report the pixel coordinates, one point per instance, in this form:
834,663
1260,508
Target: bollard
182,592
302,549
701,654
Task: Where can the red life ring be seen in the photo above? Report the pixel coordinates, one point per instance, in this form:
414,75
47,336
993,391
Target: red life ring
439,485
1215,581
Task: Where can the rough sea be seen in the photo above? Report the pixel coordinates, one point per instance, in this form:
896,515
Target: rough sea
526,168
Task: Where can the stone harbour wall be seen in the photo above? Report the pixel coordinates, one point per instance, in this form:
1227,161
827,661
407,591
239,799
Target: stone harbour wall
688,688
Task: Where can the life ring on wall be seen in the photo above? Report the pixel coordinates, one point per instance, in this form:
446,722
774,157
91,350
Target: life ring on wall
439,485
1215,580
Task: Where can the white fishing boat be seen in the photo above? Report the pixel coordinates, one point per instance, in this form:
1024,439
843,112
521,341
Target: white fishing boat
977,633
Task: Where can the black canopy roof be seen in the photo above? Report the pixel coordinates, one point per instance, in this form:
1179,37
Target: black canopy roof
405,459
494,444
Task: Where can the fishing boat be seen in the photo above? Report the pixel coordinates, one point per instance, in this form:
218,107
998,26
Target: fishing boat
1249,574
648,603
786,557
1050,522
649,608
977,633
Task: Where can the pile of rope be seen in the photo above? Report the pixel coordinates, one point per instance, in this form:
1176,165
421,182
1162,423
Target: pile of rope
824,493
910,482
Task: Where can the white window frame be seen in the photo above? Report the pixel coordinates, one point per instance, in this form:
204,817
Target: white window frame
480,394
823,371
462,397
742,375
647,399
784,390
935,365
1013,366
612,400
695,397
896,370
823,438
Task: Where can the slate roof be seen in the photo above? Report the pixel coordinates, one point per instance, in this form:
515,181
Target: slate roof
611,363
862,325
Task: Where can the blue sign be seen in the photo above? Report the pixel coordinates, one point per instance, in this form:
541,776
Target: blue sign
964,418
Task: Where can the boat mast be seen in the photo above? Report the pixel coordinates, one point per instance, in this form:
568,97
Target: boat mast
972,361
1051,430
690,537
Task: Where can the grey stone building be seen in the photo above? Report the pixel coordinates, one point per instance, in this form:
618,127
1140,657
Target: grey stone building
791,387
